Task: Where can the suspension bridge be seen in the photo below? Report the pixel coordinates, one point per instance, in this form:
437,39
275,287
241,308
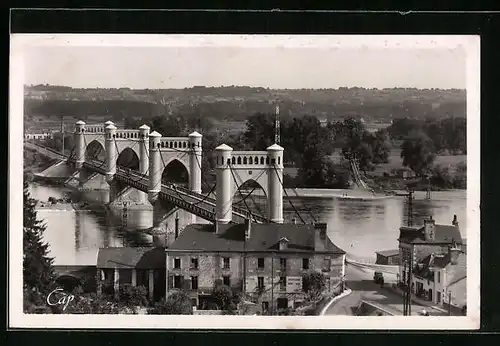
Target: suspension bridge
149,155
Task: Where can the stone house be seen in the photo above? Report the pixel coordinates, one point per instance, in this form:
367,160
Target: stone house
264,263
136,266
441,278
416,243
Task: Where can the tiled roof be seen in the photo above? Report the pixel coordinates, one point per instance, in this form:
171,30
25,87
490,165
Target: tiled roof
388,253
263,237
442,234
131,257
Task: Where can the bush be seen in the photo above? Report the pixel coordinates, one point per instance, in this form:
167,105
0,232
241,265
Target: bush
314,284
177,303
133,296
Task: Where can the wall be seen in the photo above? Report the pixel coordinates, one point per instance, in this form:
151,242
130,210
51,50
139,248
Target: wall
210,271
439,284
427,284
458,293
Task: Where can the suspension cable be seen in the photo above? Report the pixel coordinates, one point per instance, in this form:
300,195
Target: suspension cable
252,199
304,205
289,200
238,189
181,197
255,187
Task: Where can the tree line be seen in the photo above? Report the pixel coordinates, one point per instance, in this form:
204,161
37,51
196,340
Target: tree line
447,136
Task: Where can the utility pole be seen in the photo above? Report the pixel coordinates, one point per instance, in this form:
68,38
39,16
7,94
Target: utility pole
62,133
449,303
410,207
410,275
428,193
277,135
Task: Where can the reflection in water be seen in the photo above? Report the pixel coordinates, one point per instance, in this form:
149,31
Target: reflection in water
359,227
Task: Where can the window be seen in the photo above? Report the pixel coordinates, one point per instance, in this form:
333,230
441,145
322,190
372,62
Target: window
283,264
260,263
304,285
177,281
260,282
439,277
439,297
326,265
226,280
177,263
194,263
283,283
225,263
273,161
194,282
305,263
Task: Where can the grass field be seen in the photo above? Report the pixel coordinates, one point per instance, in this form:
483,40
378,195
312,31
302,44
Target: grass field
396,162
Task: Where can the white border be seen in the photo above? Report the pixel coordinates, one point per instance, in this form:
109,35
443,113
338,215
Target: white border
17,319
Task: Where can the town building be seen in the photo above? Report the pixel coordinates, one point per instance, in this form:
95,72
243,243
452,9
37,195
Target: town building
43,135
135,266
388,257
441,279
265,263
416,243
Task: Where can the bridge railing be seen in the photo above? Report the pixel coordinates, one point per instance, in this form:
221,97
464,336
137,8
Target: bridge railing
130,177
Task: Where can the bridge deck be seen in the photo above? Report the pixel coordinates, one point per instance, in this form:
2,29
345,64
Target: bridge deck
198,204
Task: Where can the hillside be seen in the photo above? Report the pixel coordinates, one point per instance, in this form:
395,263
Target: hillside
236,103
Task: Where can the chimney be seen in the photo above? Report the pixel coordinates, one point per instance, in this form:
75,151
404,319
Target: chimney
455,221
248,228
454,252
429,229
320,236
283,244
176,225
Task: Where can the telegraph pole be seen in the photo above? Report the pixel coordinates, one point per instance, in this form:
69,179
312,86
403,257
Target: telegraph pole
277,135
62,133
410,207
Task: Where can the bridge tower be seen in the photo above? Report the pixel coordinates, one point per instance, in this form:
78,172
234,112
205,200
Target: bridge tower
234,168
195,162
155,168
143,157
111,154
80,144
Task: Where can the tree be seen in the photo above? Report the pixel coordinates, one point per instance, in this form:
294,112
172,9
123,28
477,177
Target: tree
226,300
38,273
418,152
177,303
133,296
314,284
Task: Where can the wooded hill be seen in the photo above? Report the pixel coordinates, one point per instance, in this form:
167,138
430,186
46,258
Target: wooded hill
236,103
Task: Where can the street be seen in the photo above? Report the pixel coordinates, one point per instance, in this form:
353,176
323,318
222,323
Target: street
361,283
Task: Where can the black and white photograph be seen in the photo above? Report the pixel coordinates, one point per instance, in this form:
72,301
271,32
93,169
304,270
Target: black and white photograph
244,181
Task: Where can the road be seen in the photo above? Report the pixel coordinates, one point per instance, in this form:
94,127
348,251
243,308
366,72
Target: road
361,283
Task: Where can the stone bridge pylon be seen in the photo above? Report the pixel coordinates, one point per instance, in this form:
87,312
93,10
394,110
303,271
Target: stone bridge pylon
138,150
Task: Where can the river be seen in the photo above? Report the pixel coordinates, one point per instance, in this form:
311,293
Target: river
360,227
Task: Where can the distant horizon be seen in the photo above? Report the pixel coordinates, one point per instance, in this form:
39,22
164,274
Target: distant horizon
276,67
241,86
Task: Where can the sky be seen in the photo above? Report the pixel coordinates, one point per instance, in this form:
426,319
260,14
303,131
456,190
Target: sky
180,67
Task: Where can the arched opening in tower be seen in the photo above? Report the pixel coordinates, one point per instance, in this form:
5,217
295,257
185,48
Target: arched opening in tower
128,159
251,195
95,151
175,173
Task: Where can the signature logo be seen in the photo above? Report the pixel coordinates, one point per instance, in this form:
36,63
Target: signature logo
59,297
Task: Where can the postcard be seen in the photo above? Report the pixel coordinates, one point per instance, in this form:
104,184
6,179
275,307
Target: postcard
244,182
